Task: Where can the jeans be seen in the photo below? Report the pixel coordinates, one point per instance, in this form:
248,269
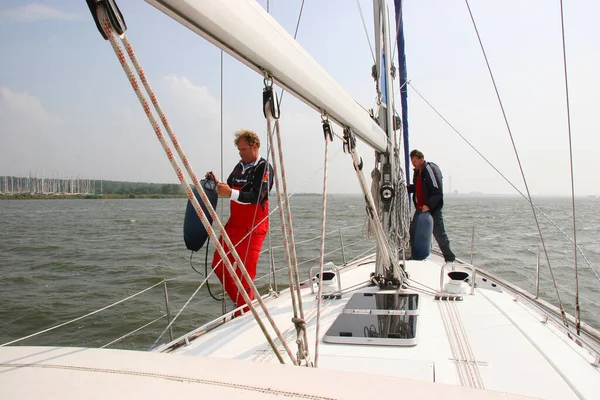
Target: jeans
439,233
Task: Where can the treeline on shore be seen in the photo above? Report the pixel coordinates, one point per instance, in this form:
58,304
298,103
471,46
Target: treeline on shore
116,190
111,190
140,188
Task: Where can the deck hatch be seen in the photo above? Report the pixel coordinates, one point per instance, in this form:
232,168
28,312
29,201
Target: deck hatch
377,318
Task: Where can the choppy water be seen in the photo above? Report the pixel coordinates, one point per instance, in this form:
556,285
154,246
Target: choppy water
61,259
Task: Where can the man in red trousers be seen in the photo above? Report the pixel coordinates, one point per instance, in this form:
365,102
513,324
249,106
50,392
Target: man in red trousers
248,188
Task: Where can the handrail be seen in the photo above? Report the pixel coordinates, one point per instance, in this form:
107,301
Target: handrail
316,237
134,331
544,306
369,250
81,317
168,311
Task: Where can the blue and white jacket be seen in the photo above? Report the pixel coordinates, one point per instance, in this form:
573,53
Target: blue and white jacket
433,191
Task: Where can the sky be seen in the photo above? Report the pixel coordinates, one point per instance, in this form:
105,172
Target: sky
66,108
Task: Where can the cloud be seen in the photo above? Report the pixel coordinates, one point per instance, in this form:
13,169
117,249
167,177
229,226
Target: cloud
195,115
191,98
25,110
28,132
34,12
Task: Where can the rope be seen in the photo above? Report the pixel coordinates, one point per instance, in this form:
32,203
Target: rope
223,299
399,216
401,222
282,218
322,256
383,248
293,276
300,186
206,274
577,308
118,51
289,225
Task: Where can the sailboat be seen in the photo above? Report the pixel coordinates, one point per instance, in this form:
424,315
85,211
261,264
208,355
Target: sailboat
382,325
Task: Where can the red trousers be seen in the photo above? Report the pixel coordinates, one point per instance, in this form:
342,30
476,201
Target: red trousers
249,251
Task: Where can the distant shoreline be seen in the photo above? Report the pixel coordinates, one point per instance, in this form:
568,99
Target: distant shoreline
21,196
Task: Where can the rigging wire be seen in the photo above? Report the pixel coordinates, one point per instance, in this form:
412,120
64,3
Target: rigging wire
503,177
564,51
295,35
562,311
299,17
362,18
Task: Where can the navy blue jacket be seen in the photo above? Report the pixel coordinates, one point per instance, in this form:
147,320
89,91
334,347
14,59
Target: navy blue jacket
433,191
252,182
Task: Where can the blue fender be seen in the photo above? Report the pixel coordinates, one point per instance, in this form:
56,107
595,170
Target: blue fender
421,234
194,233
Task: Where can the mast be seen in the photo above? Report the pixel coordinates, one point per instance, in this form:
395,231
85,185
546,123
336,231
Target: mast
383,70
403,84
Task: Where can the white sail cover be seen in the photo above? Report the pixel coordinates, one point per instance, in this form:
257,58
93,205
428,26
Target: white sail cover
246,31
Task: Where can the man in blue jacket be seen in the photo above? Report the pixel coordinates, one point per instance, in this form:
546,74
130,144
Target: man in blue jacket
429,197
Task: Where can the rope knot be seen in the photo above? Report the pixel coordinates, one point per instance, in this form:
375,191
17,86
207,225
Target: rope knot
299,323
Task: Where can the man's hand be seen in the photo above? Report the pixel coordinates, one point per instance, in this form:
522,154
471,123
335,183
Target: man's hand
223,189
211,176
425,208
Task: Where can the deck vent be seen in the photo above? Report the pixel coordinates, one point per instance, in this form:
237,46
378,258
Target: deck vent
380,318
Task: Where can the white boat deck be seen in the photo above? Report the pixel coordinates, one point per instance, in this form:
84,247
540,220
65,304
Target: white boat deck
76,373
487,341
